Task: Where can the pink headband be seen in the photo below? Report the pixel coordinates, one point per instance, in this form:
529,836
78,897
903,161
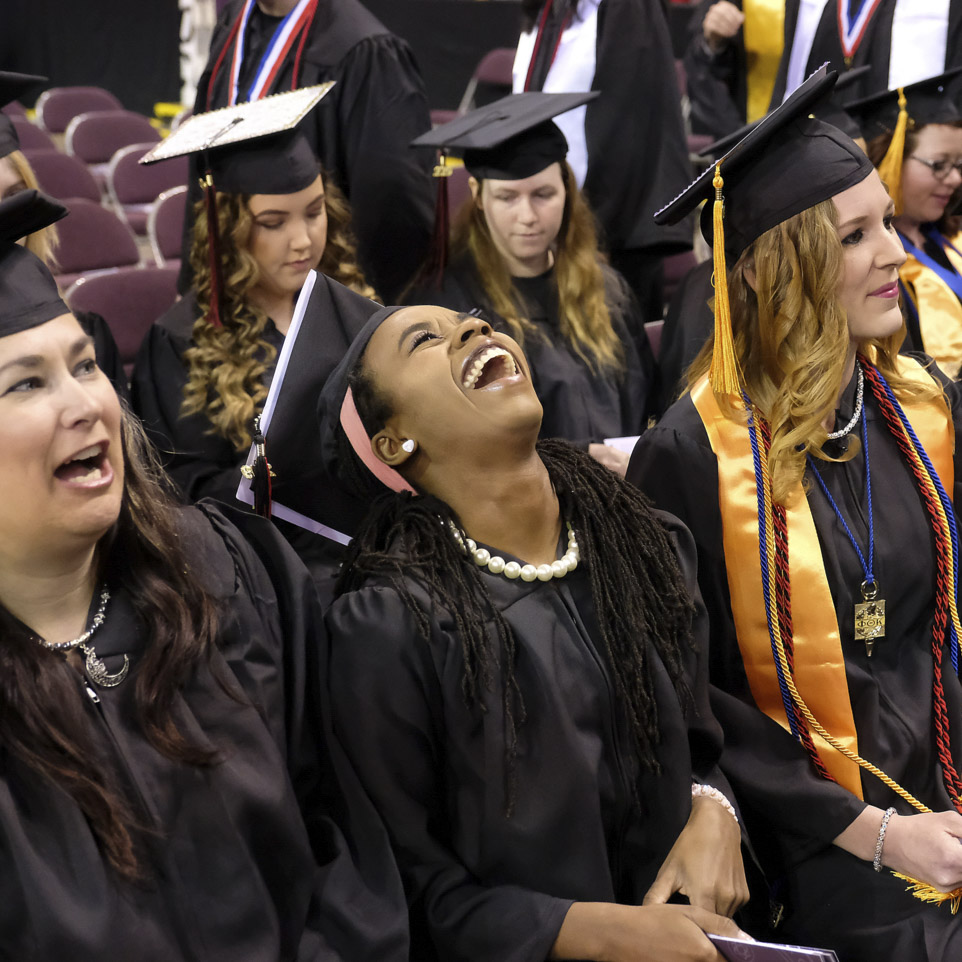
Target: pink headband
357,436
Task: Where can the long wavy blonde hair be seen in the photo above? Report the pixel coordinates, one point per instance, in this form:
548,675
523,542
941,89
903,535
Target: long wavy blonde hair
791,340
583,312
42,242
225,365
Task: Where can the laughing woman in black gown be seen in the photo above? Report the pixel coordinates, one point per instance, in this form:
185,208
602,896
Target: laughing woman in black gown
535,735
825,547
164,777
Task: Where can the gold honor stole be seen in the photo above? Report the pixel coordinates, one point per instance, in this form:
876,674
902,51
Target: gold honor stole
763,31
940,312
819,659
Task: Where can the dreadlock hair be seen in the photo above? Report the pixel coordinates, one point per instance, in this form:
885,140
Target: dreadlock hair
642,604
43,725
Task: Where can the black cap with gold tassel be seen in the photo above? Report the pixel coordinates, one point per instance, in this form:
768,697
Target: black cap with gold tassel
785,164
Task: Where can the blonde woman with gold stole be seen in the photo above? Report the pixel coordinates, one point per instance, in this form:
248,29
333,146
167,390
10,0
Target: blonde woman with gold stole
524,250
815,468
917,148
204,369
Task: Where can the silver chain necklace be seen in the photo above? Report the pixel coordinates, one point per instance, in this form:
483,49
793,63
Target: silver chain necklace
859,391
95,668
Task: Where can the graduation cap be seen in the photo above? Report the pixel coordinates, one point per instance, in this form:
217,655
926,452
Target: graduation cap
12,87
929,101
829,110
250,148
510,139
786,164
28,293
304,487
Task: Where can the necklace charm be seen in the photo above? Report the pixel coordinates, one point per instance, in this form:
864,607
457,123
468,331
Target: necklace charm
870,616
97,670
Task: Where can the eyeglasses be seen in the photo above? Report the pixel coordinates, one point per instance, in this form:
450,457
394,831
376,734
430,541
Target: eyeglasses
940,168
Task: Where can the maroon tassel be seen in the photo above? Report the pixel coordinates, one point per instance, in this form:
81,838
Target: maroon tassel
261,479
216,309
437,260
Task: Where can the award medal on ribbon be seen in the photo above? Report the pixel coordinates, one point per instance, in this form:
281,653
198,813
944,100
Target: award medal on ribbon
851,30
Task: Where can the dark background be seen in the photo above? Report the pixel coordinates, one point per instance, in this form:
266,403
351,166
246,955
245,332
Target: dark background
131,46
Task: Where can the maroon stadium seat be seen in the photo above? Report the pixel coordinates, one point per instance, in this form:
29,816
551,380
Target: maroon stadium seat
59,105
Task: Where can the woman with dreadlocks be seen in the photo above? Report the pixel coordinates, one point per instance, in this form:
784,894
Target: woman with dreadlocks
514,668
815,467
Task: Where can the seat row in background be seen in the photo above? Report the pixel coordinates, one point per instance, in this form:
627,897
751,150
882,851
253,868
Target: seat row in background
119,250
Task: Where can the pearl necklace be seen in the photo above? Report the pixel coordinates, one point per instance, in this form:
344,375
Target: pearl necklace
511,569
95,668
835,435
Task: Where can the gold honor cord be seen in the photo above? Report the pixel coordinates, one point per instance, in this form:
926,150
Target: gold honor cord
764,30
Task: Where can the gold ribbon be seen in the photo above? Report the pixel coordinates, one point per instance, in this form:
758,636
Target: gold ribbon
939,310
763,30
819,659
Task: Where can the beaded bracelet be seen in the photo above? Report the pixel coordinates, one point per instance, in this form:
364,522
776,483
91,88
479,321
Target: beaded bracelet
880,841
706,791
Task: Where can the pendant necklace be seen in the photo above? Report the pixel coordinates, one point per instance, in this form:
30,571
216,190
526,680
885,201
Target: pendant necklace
870,611
95,668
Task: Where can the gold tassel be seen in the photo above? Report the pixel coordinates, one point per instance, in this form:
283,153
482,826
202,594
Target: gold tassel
724,373
890,169
928,893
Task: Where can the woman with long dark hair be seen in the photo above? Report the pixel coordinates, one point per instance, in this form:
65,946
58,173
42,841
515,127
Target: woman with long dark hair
515,664
816,468
166,779
524,249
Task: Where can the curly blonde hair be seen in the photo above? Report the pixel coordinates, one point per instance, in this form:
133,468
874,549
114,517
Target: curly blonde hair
792,339
43,242
583,312
226,365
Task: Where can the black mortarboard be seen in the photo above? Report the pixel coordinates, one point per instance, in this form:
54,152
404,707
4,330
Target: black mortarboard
28,293
12,87
250,148
323,334
509,139
786,164
829,110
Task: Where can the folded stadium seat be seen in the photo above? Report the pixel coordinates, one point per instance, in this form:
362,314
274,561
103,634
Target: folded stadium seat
92,239
129,299
62,176
653,329
96,136
491,79
14,109
59,105
133,187
165,226
31,136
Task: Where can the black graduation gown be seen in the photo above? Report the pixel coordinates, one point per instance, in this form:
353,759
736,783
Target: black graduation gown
360,132
203,464
832,898
105,348
717,86
579,404
229,872
483,887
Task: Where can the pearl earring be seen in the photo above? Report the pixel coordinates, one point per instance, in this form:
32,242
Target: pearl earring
409,445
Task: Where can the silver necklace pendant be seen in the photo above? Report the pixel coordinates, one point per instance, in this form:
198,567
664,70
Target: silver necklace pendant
97,670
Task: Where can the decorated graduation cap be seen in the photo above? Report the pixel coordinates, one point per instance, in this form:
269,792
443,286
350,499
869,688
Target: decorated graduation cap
510,139
829,110
786,164
28,293
303,486
930,101
12,87
250,148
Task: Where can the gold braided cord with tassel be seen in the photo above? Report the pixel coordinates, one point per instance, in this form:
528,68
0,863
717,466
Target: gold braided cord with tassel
724,372
928,893
890,169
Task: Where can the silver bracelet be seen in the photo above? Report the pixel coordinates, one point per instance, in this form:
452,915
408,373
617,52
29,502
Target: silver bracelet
880,841
706,791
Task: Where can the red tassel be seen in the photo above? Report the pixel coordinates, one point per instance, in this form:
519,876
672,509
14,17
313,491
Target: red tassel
215,311
437,260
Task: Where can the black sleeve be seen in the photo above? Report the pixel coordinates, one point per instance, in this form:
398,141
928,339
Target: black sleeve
202,464
769,770
388,712
360,906
382,107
